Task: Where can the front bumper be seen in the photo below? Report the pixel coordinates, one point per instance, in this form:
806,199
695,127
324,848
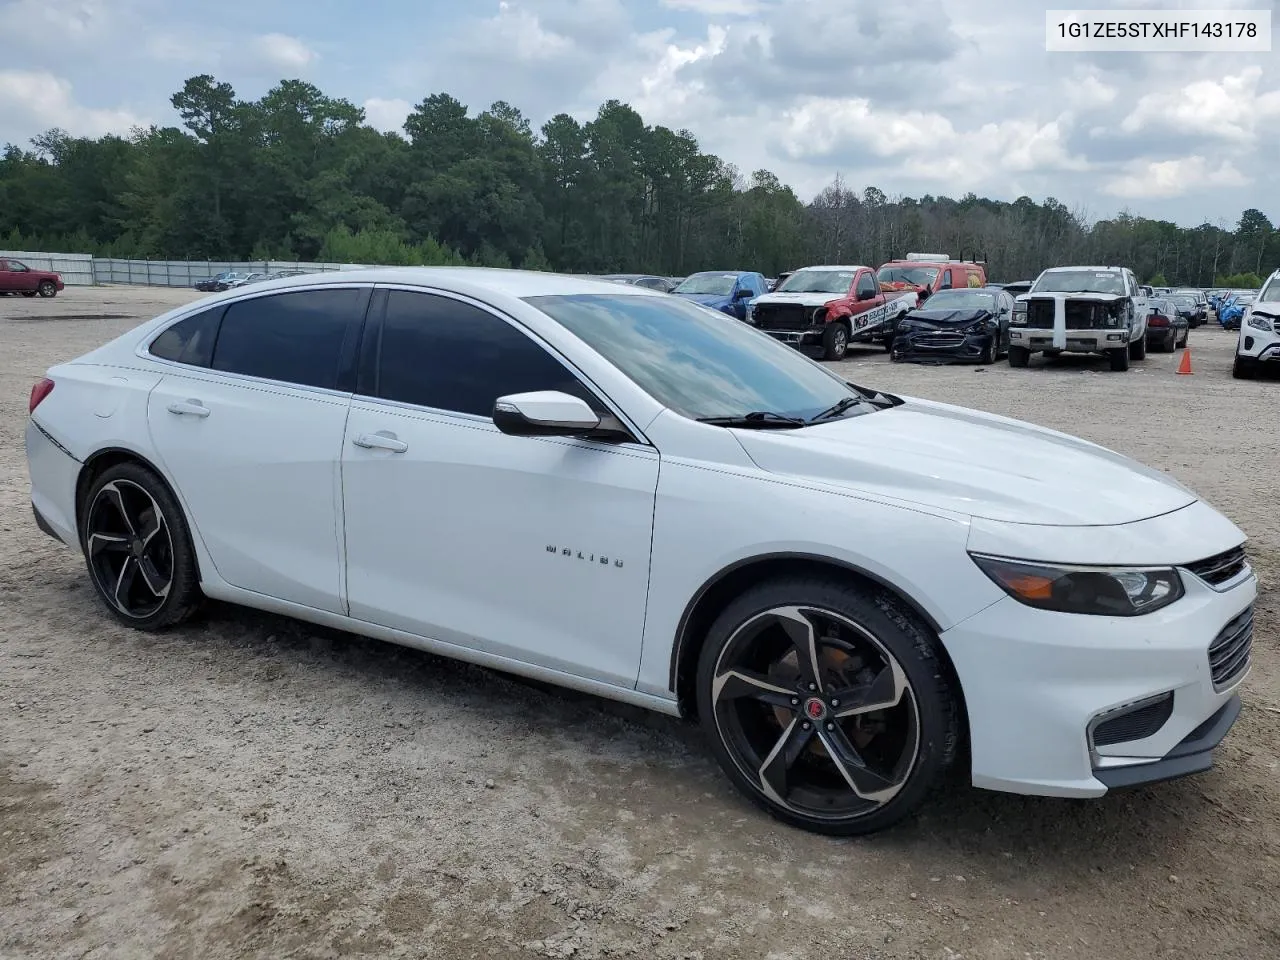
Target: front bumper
1078,341
1038,683
940,346
1261,346
805,337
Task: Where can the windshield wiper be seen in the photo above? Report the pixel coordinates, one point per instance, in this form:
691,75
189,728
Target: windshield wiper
837,409
759,419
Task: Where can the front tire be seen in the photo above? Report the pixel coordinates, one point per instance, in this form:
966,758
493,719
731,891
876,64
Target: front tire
835,341
1019,356
1138,348
1242,368
1119,359
138,549
47,288
988,353
826,704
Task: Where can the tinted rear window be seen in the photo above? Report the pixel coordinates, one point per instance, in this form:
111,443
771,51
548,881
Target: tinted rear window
292,337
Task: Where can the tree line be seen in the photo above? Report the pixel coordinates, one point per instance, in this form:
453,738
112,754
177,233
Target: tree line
298,175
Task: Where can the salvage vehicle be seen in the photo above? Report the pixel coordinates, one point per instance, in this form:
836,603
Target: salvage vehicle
829,307
727,291
17,277
1200,301
663,284
1167,326
924,274
1259,342
215,283
955,326
1081,310
642,498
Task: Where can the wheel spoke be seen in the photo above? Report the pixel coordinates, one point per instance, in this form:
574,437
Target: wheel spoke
124,583
881,693
773,772
114,495
152,578
149,530
109,542
734,684
804,637
862,780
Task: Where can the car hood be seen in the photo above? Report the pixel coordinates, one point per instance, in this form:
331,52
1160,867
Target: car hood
972,463
1082,295
927,319
804,299
706,299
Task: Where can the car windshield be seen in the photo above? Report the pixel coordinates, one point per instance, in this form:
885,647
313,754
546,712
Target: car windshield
700,363
1080,281
915,276
1271,292
709,284
817,281
962,300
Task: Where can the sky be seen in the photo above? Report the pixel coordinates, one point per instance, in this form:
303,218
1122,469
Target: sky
932,96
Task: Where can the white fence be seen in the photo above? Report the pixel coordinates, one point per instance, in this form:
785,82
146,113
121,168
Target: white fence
76,268
81,269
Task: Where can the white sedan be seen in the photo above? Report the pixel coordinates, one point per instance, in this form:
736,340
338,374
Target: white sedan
624,493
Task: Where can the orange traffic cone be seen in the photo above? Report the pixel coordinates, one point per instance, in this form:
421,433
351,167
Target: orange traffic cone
1185,366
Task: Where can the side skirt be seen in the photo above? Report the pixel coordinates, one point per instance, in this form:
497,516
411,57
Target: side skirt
258,601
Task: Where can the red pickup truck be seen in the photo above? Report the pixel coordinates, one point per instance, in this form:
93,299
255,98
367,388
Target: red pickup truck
17,277
830,307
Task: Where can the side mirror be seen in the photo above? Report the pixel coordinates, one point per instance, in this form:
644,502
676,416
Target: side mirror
743,294
866,295
544,413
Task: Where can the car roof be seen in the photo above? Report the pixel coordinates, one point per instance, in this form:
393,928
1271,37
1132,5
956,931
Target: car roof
512,283
831,267
1099,269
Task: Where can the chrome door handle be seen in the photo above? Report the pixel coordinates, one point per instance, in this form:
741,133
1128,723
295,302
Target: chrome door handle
189,408
382,440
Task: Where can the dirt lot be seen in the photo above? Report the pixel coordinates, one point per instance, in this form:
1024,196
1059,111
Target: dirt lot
253,787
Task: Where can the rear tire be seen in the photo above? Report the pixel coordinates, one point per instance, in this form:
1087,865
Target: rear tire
777,726
28,293
835,341
1119,359
1019,356
137,547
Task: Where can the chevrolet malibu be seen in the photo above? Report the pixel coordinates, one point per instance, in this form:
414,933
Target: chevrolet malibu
628,494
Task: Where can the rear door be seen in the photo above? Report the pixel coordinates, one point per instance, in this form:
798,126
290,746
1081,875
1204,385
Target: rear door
16,277
249,426
6,277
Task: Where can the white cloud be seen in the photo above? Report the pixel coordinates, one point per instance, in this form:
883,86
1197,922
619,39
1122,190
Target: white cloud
1231,107
715,8
386,115
34,101
1162,179
283,52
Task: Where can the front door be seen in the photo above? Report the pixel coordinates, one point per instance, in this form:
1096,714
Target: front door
534,549
254,444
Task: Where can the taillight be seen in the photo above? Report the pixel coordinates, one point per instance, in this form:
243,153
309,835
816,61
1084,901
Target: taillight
38,392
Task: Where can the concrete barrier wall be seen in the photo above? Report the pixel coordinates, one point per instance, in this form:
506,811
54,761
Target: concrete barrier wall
81,269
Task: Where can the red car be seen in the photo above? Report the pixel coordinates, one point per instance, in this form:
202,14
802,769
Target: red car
17,277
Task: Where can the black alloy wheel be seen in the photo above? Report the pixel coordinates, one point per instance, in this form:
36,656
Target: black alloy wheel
138,549
826,705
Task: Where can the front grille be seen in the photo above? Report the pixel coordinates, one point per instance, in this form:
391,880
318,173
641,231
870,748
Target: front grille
1040,314
1134,723
1221,567
1080,314
785,316
1229,654
939,340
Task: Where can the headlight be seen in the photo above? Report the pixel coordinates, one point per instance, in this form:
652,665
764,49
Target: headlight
978,326
1259,322
1019,317
751,313
1101,591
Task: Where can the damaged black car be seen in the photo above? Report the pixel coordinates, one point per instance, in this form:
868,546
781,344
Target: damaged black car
955,326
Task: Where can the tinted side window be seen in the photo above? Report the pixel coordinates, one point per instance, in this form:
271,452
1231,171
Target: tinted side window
866,284
293,337
442,353
190,340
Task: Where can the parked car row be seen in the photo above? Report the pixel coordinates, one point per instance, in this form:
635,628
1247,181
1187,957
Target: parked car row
231,279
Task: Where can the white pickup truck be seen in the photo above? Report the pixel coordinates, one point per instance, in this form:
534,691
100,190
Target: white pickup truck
1081,310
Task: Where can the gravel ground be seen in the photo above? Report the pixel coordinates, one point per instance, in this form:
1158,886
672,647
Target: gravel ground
249,786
